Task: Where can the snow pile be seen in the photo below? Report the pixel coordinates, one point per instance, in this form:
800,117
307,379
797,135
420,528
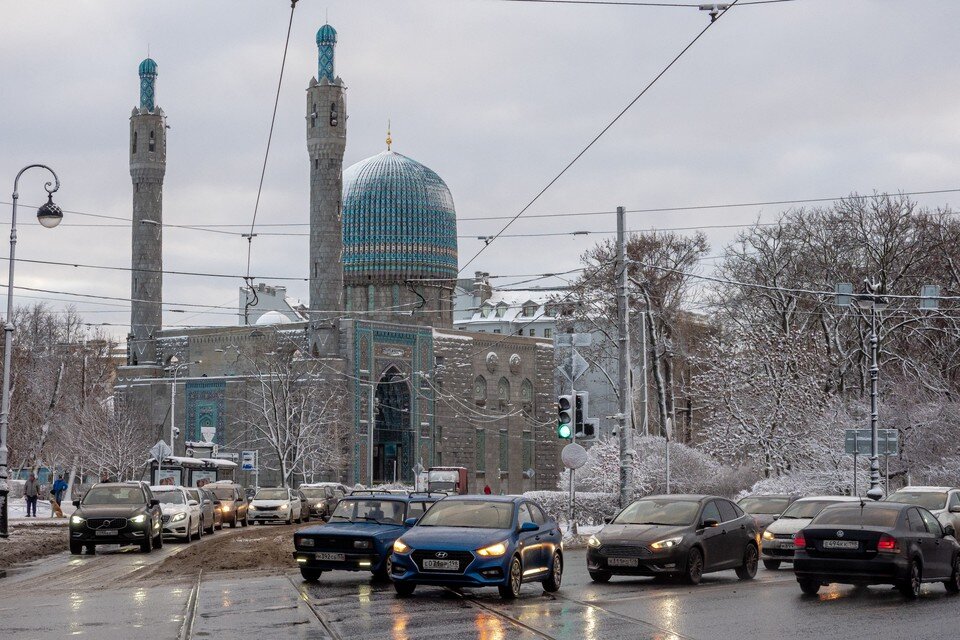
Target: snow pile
590,508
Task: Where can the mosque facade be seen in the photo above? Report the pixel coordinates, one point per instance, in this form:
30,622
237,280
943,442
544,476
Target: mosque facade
382,274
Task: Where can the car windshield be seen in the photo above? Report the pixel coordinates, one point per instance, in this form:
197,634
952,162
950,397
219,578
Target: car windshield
927,499
764,505
315,492
369,510
118,494
475,514
223,493
854,514
806,508
169,497
666,511
271,494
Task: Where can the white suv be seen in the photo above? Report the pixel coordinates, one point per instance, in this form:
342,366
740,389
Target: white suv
275,505
181,514
943,502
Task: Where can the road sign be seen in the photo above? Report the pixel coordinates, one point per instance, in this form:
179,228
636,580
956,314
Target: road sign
573,456
226,455
858,441
160,450
574,367
573,339
248,461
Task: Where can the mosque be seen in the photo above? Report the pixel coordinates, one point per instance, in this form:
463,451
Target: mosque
382,274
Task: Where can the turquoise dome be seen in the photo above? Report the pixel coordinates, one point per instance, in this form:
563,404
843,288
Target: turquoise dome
148,67
326,35
398,222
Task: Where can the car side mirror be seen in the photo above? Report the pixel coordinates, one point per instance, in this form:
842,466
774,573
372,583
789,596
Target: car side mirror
153,503
955,508
529,526
193,503
949,531
709,522
410,522
76,503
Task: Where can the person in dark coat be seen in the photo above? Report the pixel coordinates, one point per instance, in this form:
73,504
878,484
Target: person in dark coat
31,489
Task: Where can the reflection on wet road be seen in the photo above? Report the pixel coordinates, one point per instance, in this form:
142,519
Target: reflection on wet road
108,596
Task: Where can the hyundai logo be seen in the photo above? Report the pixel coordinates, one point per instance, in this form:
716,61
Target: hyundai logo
839,534
441,554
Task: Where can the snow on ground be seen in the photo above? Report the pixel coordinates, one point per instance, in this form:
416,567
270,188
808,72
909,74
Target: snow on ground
18,512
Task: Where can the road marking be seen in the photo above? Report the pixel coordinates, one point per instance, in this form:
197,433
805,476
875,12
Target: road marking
316,612
186,631
501,615
622,616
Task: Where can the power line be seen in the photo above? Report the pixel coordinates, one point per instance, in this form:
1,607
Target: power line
638,3
599,135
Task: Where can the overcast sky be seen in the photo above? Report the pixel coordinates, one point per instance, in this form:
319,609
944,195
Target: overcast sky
779,101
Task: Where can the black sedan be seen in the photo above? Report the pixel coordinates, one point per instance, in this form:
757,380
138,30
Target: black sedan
676,535
116,513
876,543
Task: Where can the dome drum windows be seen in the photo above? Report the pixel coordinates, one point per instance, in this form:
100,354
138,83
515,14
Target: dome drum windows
153,143
480,391
503,394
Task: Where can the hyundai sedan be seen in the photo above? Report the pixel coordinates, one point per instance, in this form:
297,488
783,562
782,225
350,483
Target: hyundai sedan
480,541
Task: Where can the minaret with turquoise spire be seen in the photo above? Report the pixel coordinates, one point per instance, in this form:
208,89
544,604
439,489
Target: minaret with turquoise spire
148,164
326,140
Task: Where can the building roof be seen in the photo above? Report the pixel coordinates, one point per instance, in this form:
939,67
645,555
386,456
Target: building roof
148,67
326,35
399,222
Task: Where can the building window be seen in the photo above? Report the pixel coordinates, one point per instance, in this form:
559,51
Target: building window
313,116
503,393
480,456
480,391
533,332
527,450
438,446
485,311
134,142
501,310
529,310
548,333
504,451
153,143
526,397
496,330
334,115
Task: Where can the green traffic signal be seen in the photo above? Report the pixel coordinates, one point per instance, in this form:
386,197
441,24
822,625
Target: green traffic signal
563,430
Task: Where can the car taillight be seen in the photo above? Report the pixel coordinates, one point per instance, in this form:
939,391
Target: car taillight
887,543
799,542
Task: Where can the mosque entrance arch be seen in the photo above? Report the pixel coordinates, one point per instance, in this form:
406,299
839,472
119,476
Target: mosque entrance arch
393,434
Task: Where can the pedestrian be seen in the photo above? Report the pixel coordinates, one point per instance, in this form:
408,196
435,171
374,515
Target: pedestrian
60,488
486,490
31,489
105,477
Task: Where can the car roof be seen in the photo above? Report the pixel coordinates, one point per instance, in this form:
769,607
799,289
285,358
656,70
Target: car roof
486,498
925,489
870,504
681,497
167,487
834,498
770,495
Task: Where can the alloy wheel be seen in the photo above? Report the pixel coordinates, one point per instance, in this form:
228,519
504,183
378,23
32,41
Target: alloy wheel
694,566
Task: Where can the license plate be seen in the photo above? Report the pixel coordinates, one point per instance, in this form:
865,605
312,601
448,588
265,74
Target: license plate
841,544
331,557
106,532
442,565
622,562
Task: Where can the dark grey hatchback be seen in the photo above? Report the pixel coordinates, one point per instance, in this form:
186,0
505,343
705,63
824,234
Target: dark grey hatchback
876,543
675,535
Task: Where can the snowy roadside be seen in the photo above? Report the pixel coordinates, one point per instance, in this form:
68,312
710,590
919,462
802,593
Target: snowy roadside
577,540
18,513
32,539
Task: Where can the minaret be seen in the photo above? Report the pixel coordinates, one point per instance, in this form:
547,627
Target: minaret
148,163
326,140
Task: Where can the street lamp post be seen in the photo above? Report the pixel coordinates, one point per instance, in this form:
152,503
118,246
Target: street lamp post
175,366
873,299
49,215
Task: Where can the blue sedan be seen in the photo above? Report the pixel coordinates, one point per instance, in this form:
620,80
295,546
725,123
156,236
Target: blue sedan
480,541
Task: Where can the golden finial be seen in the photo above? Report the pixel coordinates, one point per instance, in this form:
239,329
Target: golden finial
389,139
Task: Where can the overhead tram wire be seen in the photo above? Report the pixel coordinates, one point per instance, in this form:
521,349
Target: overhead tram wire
641,3
599,135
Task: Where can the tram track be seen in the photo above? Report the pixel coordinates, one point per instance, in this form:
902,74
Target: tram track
501,615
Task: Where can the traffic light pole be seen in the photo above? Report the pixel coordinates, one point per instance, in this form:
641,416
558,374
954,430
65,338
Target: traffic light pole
573,440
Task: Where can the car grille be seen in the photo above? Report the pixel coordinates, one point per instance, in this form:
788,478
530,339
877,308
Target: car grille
624,551
465,558
259,508
337,543
106,523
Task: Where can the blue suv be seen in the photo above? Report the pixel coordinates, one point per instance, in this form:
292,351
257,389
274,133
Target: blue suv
480,541
360,533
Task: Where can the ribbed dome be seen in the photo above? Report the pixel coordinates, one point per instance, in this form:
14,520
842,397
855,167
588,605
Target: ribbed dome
398,222
326,35
148,67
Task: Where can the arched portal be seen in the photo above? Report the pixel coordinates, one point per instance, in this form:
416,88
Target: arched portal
393,435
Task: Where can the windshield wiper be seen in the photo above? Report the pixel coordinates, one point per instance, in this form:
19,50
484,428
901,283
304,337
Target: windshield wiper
661,524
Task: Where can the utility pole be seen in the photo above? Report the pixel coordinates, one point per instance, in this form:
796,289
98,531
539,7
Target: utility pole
625,432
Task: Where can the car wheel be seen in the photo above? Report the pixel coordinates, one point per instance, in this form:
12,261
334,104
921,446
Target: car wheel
199,529
384,572
213,527
404,589
147,545
910,588
76,548
245,521
158,541
511,588
600,576
953,584
310,575
809,587
552,583
694,567
773,565
748,569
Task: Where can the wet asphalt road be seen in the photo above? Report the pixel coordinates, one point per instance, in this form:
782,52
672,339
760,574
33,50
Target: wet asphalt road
106,596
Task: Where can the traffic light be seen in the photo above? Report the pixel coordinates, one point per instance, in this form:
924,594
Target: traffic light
565,417
586,428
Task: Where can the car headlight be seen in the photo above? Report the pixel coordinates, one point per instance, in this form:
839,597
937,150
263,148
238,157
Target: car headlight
305,542
668,543
493,550
76,520
399,546
225,507
767,535
284,507
319,505
593,541
361,544
178,517
138,519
